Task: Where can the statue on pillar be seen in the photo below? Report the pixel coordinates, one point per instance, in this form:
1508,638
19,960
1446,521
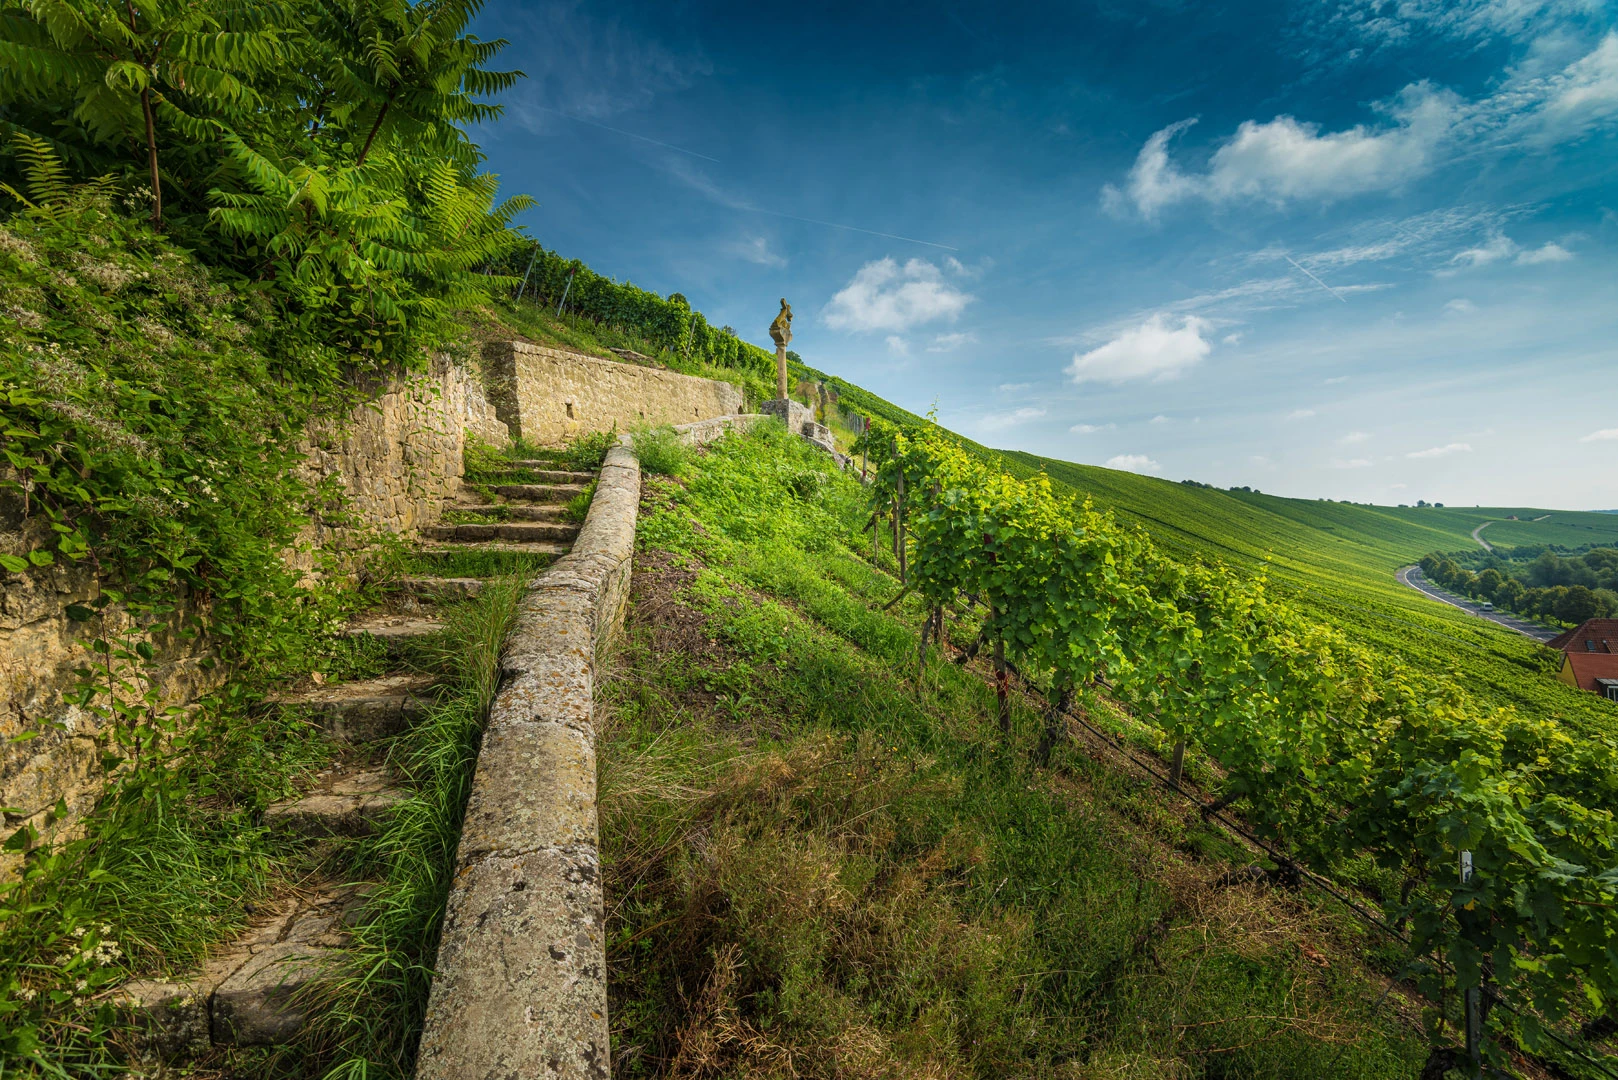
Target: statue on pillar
781,333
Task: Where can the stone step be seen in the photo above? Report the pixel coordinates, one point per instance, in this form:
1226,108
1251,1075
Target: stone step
553,494
438,590
537,547
546,472
359,712
518,511
393,629
502,530
343,802
245,995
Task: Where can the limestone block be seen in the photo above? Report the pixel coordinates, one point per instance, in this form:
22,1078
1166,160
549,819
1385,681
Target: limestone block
172,1018
255,1006
535,789
520,989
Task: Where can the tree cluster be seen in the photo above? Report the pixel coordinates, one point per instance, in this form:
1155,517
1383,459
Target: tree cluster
1571,589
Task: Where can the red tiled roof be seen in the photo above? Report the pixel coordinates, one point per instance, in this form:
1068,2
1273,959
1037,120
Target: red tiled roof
1596,630
1588,667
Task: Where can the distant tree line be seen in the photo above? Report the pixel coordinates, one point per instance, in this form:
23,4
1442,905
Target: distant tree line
1571,588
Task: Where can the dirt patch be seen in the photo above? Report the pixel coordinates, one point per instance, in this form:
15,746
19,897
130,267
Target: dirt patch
664,622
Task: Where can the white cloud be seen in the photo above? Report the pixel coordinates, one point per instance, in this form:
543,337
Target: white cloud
1460,306
1551,253
1287,159
1497,247
1351,463
1001,421
1442,451
1160,419
1013,387
1586,90
1138,463
950,342
897,345
756,249
1353,437
1604,435
1336,379
1154,350
884,295
1232,339
1300,414
1091,429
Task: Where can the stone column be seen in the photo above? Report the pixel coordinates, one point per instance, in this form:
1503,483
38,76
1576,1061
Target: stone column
781,370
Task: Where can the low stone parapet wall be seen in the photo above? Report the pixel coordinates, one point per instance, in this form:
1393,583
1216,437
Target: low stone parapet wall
547,395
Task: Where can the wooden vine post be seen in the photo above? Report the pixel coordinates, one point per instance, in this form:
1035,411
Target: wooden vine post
1177,765
899,530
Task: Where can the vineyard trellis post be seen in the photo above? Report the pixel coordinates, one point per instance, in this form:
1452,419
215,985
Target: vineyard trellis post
899,530
560,304
1472,997
525,274
1177,766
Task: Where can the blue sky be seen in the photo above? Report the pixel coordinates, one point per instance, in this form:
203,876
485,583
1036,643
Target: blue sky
1351,249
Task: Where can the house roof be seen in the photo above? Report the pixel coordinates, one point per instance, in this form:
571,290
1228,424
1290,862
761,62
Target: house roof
1590,667
1599,631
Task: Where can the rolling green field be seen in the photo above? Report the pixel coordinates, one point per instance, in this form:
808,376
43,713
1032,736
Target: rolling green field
1338,560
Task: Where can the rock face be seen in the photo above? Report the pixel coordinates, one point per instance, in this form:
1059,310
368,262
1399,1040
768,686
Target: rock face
547,396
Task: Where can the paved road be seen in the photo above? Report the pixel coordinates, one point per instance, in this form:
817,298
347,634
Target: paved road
1413,577
1480,539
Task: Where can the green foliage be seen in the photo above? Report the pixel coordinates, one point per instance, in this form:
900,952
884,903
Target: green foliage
578,507
660,451
588,451
667,324
1335,750
148,424
807,861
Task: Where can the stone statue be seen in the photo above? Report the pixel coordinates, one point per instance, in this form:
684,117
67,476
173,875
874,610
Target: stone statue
781,331
781,328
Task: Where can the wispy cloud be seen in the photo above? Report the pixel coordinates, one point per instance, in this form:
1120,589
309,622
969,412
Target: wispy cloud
951,342
756,250
1353,437
1091,429
885,295
1352,463
993,422
1300,414
1604,435
1160,419
1460,306
1137,463
897,345
1442,451
1338,380
1157,350
1013,387
1551,252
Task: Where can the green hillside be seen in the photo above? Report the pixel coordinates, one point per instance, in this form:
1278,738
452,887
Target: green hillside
1339,560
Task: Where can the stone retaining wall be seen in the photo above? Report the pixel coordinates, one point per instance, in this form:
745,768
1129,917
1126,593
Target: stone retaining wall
398,457
547,396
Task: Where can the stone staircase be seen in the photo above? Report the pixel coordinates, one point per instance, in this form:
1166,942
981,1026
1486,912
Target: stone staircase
247,994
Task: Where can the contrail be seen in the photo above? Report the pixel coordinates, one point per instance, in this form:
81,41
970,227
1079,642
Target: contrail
630,134
1314,279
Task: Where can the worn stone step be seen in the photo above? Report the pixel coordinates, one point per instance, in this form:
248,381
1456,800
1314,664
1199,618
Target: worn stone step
393,629
537,547
359,712
438,590
343,802
546,472
518,511
245,995
502,530
553,494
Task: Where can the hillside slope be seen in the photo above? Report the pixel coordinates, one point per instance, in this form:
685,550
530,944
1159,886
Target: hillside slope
1338,560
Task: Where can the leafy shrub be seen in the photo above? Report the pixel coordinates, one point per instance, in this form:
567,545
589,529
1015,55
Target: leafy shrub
579,505
660,450
588,451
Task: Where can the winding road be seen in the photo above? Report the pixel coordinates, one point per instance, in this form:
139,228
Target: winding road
1413,577
1480,539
